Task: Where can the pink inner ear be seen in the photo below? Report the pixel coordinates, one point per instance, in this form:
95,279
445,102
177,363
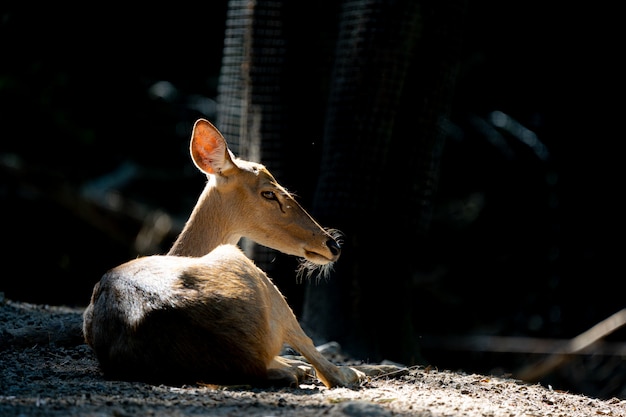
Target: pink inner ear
207,148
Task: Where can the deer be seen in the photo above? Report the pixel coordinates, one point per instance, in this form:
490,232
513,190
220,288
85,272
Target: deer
204,312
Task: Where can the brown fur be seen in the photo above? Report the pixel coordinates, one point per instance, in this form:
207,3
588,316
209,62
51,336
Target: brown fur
205,312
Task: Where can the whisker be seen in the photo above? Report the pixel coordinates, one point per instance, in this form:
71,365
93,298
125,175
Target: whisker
307,269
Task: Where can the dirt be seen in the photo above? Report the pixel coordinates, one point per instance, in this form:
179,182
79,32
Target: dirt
47,370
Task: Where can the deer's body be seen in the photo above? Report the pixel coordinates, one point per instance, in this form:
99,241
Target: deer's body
185,319
205,312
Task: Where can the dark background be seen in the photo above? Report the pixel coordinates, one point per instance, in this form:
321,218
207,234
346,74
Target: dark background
525,241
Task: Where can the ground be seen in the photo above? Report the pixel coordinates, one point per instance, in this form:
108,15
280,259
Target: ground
47,370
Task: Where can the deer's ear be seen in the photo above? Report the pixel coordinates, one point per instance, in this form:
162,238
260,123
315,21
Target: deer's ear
209,150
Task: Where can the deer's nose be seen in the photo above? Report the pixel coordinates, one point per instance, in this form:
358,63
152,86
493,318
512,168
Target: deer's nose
334,247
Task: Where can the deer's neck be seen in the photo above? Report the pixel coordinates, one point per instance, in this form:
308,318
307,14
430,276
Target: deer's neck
209,225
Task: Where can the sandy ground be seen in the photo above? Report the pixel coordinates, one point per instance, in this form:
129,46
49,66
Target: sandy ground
47,370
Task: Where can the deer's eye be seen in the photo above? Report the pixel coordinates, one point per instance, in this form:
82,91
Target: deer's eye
270,195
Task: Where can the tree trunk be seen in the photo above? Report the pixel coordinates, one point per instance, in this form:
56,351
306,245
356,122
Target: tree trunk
391,88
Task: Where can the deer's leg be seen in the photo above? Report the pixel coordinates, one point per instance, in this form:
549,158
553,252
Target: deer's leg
330,374
289,372
285,321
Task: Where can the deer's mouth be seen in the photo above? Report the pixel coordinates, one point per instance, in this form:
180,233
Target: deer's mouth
327,253
322,257
317,258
